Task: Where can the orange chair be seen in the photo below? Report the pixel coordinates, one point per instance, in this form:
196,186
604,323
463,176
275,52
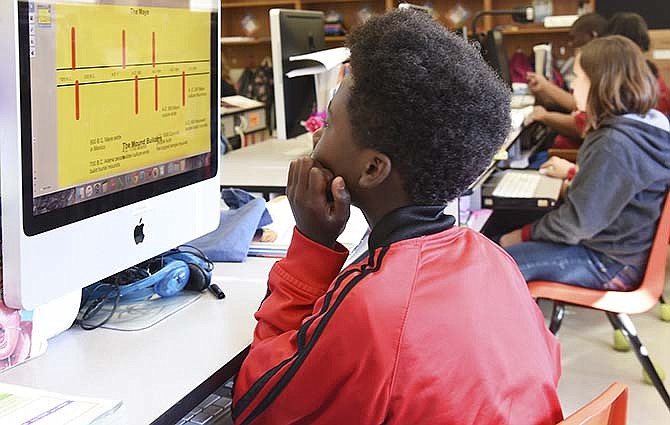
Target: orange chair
609,408
565,153
618,305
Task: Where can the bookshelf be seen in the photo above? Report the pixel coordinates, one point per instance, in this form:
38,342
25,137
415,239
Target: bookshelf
249,52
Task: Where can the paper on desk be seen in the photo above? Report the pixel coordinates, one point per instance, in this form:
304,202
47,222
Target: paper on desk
23,405
283,224
325,60
519,115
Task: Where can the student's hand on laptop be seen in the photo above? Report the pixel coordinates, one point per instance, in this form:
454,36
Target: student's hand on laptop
320,202
556,167
511,238
538,114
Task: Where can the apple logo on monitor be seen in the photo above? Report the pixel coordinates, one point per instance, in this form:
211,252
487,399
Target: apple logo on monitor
139,233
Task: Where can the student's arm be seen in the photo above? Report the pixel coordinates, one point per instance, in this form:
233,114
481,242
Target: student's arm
596,197
563,123
550,95
314,358
314,257
295,283
310,340
559,168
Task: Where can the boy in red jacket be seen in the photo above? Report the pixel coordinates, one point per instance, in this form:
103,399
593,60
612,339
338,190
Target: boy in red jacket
436,326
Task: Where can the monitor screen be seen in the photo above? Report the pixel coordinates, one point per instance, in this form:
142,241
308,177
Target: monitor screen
116,105
294,32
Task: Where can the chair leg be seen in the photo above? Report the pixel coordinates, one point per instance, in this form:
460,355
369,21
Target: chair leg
556,317
620,340
624,323
665,309
613,320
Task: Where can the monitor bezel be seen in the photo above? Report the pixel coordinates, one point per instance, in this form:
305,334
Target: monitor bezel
37,224
282,65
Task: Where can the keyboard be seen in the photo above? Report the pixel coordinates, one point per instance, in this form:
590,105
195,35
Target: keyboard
517,185
213,410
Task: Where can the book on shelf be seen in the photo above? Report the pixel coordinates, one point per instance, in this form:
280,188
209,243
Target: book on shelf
236,39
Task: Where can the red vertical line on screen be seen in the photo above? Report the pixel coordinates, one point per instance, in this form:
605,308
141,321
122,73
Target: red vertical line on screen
73,42
76,99
155,92
153,49
123,48
183,88
137,95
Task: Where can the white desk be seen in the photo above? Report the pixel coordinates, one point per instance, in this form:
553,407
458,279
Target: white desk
263,167
169,367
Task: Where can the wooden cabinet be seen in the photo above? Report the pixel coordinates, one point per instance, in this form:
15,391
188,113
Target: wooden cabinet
244,49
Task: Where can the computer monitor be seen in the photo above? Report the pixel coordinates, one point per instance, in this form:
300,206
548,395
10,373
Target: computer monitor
495,54
109,125
294,32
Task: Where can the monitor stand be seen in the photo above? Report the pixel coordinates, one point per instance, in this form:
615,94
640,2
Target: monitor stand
139,315
56,316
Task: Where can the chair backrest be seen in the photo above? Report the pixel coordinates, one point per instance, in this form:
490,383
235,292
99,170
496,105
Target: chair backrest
609,408
630,302
654,276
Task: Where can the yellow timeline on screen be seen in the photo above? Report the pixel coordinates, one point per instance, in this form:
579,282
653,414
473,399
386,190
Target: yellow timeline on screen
133,88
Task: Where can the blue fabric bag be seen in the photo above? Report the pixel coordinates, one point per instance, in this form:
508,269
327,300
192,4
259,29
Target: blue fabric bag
230,241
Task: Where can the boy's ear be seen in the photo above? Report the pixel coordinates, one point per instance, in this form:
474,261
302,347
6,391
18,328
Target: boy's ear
377,167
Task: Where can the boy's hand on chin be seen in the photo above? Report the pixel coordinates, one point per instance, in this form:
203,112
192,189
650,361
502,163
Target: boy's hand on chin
320,202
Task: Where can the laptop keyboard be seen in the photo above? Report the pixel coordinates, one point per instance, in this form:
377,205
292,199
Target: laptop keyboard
213,410
517,185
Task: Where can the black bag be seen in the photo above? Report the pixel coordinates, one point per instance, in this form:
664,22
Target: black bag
257,83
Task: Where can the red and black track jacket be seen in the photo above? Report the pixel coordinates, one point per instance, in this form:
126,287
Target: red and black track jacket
436,326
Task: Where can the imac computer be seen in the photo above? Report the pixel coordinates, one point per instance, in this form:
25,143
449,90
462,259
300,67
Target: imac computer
294,32
109,124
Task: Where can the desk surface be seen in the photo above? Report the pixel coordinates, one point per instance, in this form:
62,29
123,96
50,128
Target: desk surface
263,165
154,369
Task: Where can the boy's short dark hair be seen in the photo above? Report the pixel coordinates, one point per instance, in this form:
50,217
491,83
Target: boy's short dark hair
632,26
426,98
590,23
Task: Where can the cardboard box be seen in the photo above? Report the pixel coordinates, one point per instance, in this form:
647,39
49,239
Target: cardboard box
239,111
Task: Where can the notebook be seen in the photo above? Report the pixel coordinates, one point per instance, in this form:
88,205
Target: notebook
282,230
24,405
521,189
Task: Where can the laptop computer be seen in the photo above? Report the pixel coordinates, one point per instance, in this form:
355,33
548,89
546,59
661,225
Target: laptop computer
533,138
521,189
